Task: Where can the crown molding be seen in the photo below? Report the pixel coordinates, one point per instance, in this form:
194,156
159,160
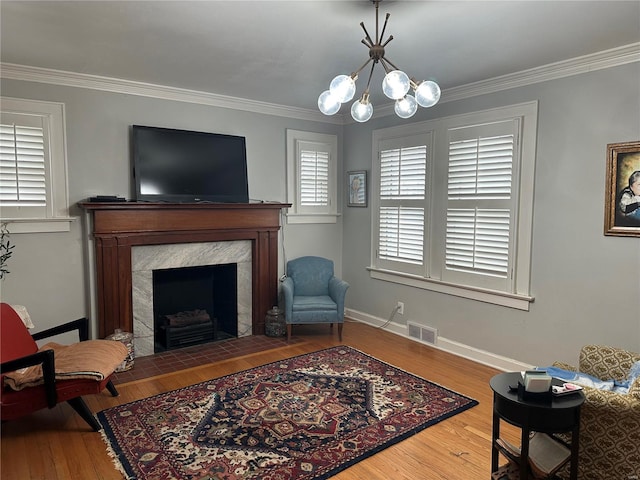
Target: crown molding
566,68
129,87
553,71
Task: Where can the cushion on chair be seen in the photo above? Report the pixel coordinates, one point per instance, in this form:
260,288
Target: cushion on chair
91,359
306,303
310,275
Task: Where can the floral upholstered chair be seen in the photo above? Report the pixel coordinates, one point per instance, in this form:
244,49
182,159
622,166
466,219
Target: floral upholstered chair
610,421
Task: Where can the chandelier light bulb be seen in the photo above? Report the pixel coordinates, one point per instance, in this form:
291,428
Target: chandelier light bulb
343,87
361,111
396,84
406,107
328,103
427,93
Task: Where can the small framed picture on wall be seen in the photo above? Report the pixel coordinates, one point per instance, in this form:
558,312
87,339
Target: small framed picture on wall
357,188
622,201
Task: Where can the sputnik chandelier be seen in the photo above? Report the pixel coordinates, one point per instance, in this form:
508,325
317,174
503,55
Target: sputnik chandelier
396,84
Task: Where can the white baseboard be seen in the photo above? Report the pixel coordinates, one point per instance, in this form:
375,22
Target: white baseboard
444,344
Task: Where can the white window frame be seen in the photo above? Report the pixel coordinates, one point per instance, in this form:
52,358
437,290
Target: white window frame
298,141
54,217
515,292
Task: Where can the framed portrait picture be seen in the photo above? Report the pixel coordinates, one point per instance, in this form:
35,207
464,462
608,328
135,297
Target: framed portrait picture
622,202
357,188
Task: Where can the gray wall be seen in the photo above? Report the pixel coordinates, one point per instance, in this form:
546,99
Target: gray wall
48,271
586,285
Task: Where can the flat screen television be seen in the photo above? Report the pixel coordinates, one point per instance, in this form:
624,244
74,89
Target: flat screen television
181,166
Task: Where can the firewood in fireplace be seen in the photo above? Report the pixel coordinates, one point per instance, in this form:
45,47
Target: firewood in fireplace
188,317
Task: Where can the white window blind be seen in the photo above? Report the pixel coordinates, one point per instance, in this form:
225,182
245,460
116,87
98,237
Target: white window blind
22,166
401,234
478,240
314,178
479,208
402,172
401,221
481,167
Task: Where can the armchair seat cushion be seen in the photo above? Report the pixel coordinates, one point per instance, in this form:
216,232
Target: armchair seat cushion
307,303
99,358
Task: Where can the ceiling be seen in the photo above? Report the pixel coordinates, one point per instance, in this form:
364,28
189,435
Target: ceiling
287,52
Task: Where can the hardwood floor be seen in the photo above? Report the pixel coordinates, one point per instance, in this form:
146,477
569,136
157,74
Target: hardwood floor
57,445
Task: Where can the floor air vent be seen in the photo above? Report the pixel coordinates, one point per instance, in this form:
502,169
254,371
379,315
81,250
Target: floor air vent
424,334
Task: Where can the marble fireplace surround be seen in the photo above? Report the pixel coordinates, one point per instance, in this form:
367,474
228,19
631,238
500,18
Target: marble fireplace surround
119,229
147,258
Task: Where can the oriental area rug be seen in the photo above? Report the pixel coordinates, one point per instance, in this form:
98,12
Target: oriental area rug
303,418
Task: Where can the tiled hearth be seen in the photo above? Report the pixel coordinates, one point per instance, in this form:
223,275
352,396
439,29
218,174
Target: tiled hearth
189,357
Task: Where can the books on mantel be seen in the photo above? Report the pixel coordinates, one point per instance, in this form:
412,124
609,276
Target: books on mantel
546,454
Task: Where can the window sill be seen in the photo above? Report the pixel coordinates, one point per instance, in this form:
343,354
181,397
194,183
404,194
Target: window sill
39,225
293,218
519,302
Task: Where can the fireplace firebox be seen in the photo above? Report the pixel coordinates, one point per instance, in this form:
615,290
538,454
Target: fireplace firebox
194,305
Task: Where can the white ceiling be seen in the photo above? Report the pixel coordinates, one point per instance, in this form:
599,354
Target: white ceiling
287,52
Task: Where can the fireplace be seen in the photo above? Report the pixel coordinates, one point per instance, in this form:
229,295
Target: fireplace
132,239
180,266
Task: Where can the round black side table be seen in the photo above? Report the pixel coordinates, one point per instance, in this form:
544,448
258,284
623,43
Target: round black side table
560,414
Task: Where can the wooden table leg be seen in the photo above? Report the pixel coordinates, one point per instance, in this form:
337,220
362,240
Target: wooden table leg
494,437
524,453
575,448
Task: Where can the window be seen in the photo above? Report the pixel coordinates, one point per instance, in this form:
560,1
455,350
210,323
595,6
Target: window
311,177
403,202
22,163
453,204
33,177
480,207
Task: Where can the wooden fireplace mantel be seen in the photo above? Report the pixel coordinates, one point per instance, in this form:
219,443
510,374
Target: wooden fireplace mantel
119,226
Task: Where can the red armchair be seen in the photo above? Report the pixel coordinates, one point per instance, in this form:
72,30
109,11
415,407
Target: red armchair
32,379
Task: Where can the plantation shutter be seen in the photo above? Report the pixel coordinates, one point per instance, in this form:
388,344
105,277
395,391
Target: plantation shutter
314,178
401,234
402,204
480,205
23,180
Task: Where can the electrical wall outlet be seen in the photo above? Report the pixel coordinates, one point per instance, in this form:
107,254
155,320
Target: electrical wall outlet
400,308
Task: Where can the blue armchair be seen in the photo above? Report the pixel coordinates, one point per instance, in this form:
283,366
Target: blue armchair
312,294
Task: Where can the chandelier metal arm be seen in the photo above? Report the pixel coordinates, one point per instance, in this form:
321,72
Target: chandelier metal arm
391,63
369,43
354,75
384,27
366,90
387,65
